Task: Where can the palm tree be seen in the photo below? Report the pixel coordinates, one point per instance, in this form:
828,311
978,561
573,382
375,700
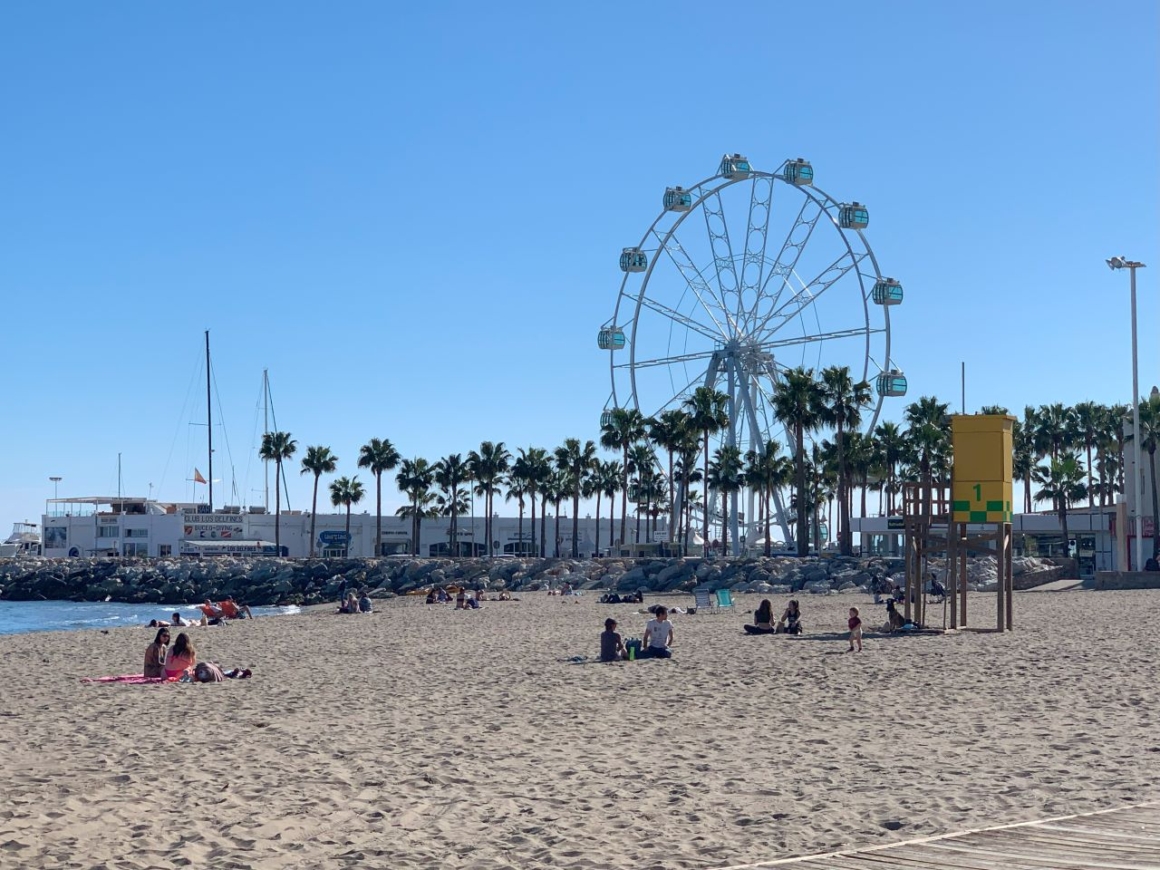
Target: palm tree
1055,429
414,479
277,447
928,437
378,455
450,474
1149,437
489,466
1024,456
422,507
669,432
797,399
890,450
556,490
765,472
842,404
518,490
346,491
1062,482
608,475
725,476
452,503
707,413
1087,417
533,467
598,486
624,428
317,461
574,461
641,465
861,462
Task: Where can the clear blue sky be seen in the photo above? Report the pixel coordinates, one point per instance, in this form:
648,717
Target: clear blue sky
412,216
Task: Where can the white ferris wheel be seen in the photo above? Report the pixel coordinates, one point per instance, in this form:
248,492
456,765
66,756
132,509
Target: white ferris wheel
743,276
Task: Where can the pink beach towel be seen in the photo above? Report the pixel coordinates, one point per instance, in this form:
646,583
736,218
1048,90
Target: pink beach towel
130,679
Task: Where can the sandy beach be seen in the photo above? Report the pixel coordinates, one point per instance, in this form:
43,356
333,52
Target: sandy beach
422,737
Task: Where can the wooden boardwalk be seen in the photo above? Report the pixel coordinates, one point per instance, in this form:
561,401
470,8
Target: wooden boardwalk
1120,839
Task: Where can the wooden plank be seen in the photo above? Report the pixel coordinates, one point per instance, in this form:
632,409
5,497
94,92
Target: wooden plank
1116,839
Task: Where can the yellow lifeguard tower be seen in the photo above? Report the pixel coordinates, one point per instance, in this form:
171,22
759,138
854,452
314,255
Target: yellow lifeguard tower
981,484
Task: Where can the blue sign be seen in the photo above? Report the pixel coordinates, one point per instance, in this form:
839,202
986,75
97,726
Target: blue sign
334,539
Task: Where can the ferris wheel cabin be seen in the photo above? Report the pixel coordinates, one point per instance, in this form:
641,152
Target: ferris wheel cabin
735,167
605,419
891,383
853,216
798,172
887,292
610,339
633,260
678,199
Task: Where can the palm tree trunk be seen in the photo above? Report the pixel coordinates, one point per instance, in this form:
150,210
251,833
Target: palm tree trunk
624,497
724,524
1091,491
277,508
803,530
1155,500
378,513
544,527
765,509
611,524
598,522
576,519
313,514
556,548
706,479
347,528
533,533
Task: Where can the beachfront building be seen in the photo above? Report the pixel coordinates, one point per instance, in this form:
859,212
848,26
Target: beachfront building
138,527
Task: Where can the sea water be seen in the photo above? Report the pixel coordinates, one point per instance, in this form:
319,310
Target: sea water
18,617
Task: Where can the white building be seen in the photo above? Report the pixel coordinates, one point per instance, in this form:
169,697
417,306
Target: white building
138,527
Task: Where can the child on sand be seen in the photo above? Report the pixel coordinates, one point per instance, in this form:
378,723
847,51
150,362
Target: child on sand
855,624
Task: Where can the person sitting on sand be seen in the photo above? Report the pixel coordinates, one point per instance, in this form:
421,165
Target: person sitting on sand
211,611
611,644
232,610
762,619
180,658
155,656
658,636
791,620
461,599
504,595
431,597
442,597
365,605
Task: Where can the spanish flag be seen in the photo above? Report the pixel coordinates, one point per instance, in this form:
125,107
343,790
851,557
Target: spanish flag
197,478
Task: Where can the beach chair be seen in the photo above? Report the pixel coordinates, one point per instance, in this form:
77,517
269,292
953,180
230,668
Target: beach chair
702,601
724,599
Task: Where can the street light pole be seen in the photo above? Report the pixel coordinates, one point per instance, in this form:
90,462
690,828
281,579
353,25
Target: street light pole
55,491
1138,483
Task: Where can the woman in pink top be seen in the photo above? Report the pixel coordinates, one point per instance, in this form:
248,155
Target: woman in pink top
181,657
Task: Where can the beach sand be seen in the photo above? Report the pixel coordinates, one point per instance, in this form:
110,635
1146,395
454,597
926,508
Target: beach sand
423,737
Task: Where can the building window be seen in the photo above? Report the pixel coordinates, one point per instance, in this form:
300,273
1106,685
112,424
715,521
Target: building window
134,549
136,533
108,532
164,550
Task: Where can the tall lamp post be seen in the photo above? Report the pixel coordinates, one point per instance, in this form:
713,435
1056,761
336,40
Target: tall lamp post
55,490
1138,484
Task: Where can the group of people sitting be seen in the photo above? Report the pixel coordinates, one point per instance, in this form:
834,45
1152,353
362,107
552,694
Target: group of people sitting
657,642
179,662
627,598
212,614
355,602
790,622
465,600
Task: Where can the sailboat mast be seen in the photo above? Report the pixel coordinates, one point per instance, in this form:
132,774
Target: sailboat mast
266,427
209,419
